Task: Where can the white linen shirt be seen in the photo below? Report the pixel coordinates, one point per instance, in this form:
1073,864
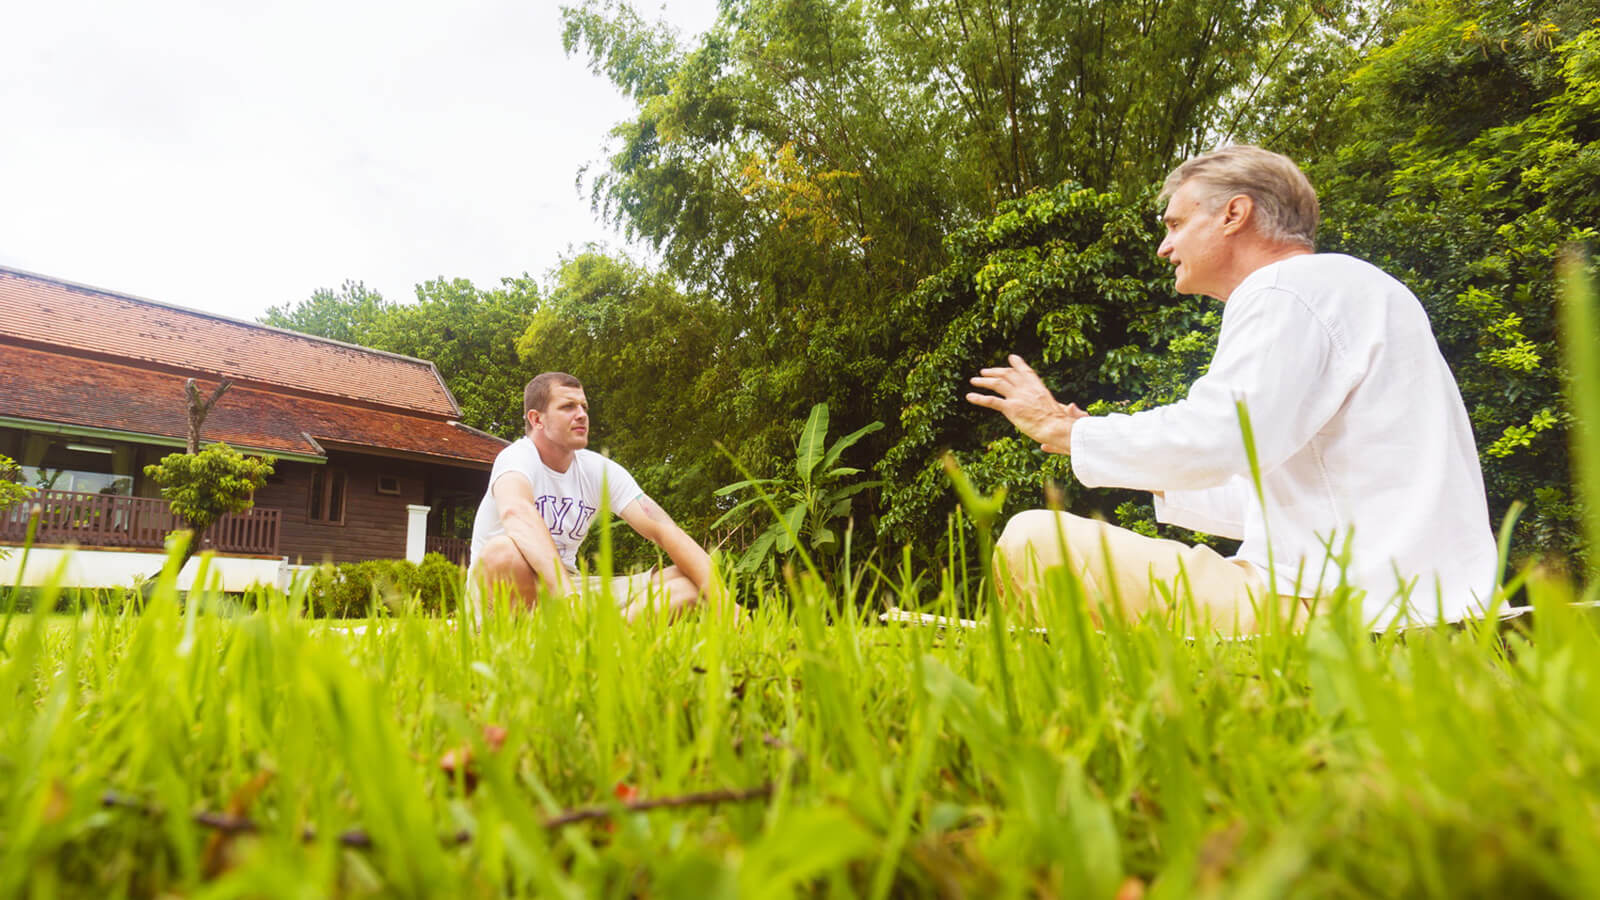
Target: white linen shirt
1360,433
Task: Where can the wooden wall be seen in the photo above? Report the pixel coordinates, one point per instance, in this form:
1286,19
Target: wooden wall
374,524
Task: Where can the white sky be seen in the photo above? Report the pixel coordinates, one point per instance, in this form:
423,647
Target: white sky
230,156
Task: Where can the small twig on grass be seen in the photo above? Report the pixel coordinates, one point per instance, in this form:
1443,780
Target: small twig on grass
701,798
358,838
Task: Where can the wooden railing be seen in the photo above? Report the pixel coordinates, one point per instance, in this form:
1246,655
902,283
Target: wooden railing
457,550
107,520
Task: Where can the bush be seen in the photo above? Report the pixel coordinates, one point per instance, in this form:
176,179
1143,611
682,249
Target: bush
352,590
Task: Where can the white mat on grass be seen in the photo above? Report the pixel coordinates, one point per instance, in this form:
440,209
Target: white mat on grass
896,614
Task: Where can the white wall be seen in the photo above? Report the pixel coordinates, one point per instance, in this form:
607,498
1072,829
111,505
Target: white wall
119,568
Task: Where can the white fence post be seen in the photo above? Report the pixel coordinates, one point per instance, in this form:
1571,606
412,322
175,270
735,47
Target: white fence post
416,531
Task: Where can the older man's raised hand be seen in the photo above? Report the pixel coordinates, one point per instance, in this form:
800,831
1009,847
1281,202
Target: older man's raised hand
1021,396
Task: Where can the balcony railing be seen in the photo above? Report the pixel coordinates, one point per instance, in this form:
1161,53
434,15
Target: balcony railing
457,550
108,520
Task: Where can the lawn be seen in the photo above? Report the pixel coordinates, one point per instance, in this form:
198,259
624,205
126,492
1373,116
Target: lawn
200,750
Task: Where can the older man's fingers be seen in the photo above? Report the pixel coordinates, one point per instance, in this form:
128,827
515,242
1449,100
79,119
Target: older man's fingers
1019,363
989,401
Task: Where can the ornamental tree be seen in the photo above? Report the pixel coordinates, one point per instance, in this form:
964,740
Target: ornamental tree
203,487
12,489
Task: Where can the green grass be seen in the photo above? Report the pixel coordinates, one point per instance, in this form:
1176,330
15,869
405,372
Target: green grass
1440,763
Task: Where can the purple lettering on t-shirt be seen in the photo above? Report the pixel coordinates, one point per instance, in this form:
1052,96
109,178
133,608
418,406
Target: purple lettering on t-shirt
581,526
556,515
560,517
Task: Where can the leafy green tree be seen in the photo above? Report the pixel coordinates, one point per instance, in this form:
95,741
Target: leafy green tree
1069,279
350,314
203,487
470,334
809,504
12,490
801,164
649,356
1467,155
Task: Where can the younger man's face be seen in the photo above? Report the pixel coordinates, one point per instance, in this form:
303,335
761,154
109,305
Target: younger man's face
564,421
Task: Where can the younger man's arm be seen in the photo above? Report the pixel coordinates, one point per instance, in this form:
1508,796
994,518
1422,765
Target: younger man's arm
651,521
526,528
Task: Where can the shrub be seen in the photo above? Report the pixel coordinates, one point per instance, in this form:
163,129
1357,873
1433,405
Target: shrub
352,590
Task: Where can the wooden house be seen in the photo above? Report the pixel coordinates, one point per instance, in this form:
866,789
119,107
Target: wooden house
372,460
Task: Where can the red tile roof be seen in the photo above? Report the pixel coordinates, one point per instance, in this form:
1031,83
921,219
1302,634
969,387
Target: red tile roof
45,311
67,389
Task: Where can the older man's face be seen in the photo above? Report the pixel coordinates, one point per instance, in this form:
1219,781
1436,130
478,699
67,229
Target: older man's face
1194,241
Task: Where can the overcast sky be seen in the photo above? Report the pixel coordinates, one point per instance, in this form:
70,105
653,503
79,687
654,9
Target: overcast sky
233,156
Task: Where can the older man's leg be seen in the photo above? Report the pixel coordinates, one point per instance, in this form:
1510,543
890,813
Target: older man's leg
1122,569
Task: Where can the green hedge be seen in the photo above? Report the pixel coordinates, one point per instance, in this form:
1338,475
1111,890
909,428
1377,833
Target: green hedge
351,590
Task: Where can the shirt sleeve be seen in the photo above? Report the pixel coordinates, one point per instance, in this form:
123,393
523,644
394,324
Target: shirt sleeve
507,461
621,489
1273,354
1217,510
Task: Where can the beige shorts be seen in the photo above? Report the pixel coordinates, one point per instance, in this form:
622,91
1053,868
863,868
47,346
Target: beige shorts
1141,574
624,588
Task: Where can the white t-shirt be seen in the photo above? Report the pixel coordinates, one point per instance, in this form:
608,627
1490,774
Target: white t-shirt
1360,432
569,501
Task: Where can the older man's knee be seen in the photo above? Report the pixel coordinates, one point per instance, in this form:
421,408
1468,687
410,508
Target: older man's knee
1027,536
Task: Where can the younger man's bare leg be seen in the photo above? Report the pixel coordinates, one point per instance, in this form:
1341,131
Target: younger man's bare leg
668,587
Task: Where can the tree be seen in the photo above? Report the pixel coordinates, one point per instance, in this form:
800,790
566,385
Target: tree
1069,279
1466,156
801,164
471,335
468,333
350,314
652,360
12,490
203,487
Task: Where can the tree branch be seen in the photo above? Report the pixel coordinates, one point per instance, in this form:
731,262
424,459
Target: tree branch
228,824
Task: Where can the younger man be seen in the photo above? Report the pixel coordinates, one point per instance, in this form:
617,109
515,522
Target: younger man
544,493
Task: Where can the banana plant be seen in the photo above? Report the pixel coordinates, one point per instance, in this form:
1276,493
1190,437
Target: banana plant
808,505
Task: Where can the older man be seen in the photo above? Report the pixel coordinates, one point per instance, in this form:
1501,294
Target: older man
1368,471
545,493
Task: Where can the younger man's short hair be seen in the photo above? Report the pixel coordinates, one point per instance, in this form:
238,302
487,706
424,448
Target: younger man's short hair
536,396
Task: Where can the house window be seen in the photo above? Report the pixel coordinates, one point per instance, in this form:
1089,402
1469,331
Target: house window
388,484
327,496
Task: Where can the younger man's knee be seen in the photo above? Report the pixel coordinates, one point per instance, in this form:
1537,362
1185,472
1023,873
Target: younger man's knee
499,557
681,589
